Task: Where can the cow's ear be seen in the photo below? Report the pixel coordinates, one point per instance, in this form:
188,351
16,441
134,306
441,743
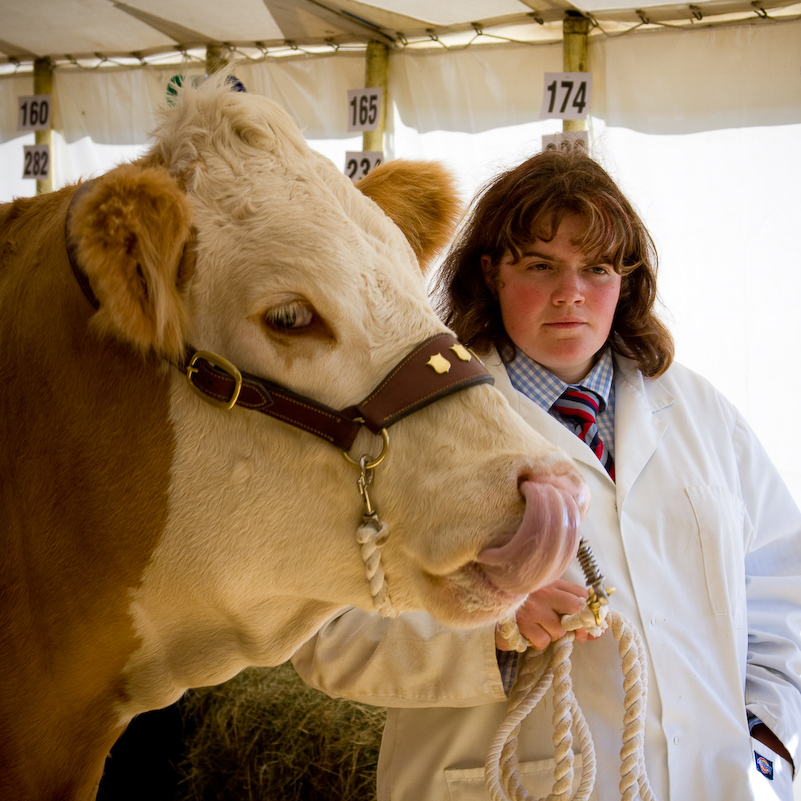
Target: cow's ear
129,229
421,198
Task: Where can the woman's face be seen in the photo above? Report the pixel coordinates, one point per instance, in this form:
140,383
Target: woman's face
557,304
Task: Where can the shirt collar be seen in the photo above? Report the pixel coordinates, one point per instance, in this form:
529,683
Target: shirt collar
544,388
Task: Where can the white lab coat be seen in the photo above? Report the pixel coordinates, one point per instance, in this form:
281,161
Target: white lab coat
702,540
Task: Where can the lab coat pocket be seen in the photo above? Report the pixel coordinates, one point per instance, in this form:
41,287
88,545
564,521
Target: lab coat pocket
469,784
719,516
771,777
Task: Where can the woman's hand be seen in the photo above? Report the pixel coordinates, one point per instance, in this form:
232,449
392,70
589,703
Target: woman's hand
539,618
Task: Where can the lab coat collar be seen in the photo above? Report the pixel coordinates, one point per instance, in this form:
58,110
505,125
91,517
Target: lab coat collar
639,427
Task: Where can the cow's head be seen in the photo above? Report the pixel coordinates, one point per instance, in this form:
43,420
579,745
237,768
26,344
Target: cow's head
234,236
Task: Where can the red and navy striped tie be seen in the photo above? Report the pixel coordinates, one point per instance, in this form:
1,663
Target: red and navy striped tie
581,407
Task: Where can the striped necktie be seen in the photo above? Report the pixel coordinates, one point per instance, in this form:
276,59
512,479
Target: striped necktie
581,407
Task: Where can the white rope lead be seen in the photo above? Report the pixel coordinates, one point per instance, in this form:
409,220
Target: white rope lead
540,670
372,535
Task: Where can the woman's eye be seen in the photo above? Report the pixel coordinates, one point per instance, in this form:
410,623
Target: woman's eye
290,317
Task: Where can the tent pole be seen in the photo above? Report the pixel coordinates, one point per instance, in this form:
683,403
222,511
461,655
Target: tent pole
216,58
376,64
43,85
575,33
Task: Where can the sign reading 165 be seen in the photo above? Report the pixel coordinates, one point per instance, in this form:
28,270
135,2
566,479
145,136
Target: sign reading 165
364,106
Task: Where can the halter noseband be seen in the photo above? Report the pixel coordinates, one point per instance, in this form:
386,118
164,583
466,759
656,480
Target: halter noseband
433,369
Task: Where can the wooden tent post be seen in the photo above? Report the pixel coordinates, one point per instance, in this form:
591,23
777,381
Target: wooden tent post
216,58
575,33
43,85
376,64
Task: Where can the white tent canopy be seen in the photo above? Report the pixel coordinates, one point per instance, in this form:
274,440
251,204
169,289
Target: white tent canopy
90,30
696,111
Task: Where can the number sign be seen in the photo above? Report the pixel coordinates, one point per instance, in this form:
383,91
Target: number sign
358,164
364,106
34,113
37,161
566,141
567,95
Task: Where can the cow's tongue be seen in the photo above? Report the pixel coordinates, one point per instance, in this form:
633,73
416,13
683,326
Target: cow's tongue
542,547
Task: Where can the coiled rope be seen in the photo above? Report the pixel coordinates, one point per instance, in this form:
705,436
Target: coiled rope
540,670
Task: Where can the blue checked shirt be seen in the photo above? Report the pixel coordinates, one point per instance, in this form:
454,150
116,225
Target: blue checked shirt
544,388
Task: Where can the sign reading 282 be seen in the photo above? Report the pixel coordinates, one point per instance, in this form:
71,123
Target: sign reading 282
566,95
37,161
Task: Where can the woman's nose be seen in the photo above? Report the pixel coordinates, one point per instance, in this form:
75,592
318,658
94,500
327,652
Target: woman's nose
568,290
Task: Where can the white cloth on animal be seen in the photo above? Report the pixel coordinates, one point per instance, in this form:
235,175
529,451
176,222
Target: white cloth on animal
702,541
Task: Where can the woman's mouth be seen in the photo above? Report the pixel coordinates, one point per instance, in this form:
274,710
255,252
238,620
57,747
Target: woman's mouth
566,324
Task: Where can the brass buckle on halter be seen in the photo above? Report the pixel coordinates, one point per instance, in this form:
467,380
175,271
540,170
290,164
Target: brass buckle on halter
221,363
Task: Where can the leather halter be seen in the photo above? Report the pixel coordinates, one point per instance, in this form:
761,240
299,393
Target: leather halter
433,369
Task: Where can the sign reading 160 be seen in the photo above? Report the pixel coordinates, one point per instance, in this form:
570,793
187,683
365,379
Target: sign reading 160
34,113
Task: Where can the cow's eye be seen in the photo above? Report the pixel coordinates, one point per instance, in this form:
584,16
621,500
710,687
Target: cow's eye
289,317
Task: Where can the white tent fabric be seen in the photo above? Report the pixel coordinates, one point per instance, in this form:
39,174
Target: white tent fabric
699,125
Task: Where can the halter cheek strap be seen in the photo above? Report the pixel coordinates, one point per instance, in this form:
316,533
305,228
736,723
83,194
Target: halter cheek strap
433,369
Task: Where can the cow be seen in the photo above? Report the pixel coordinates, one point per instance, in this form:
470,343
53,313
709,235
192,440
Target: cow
190,343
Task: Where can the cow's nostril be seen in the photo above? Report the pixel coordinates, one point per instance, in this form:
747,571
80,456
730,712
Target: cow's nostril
569,481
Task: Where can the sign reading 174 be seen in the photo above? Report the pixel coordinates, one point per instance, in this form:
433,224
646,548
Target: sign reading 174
566,95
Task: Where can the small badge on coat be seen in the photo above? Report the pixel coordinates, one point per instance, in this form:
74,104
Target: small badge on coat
764,766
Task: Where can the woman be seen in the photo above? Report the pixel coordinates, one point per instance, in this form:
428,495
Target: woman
553,278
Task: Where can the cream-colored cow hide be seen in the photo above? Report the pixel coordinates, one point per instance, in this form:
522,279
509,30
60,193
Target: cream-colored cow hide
151,541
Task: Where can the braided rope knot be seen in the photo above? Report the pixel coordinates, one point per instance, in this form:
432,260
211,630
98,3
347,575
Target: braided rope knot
372,535
585,618
511,633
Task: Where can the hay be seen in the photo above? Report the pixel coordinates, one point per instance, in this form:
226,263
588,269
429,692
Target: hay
266,736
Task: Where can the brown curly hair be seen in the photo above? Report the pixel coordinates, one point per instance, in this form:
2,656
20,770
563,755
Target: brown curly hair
530,201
